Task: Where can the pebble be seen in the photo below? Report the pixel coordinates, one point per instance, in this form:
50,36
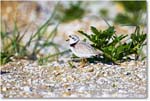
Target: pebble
1,96
27,89
91,69
81,89
66,94
4,89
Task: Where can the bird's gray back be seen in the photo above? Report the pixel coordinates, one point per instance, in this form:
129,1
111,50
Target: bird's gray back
84,48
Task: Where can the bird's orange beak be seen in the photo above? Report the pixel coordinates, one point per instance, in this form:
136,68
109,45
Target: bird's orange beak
69,37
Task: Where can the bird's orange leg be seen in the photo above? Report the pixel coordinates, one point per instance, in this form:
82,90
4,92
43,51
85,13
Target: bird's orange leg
83,62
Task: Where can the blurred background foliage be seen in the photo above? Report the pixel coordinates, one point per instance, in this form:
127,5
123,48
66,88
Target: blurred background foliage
14,47
75,10
133,13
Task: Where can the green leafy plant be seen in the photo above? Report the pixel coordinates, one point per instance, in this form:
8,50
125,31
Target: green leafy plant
134,11
111,45
74,11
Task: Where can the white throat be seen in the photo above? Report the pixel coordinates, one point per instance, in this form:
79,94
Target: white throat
73,41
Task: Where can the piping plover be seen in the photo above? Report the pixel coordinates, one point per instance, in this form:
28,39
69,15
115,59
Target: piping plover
80,48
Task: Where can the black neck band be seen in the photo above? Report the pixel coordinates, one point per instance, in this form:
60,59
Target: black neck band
72,45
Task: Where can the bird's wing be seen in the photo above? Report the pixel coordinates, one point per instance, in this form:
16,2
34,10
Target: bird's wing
84,48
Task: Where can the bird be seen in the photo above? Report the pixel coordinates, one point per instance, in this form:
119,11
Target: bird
80,48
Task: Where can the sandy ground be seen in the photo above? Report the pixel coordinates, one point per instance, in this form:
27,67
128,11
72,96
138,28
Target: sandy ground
26,79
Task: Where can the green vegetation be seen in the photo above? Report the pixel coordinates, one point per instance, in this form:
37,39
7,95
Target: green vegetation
134,11
104,13
13,45
112,47
74,11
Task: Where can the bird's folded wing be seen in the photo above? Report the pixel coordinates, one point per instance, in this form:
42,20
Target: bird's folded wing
84,48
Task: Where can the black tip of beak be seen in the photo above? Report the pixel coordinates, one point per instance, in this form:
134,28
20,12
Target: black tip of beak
67,40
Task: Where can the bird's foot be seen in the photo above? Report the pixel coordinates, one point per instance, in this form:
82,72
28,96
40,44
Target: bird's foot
83,63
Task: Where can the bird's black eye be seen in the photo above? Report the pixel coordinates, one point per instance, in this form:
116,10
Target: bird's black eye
70,36
73,38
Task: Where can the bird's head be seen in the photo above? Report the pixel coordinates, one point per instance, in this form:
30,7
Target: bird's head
73,39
